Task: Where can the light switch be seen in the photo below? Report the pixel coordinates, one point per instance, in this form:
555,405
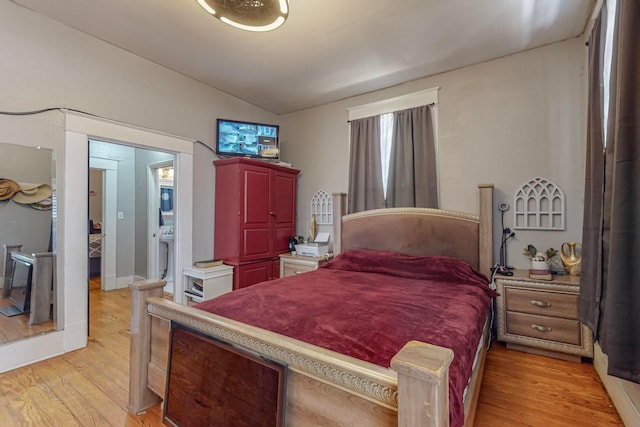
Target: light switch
120,215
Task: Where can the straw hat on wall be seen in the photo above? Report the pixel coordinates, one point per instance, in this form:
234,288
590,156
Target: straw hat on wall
32,193
8,188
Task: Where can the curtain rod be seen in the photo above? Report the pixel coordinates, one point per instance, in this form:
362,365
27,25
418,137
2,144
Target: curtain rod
395,111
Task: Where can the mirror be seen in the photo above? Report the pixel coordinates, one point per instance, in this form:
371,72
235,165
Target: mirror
27,242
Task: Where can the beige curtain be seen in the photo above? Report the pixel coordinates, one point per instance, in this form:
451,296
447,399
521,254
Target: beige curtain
365,173
412,180
610,283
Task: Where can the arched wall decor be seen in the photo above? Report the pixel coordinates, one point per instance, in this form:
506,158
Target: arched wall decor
539,205
322,207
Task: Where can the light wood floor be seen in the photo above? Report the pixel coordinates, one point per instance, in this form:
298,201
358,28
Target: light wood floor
521,389
88,387
17,327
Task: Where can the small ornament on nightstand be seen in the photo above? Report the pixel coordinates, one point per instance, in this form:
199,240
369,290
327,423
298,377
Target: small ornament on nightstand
540,260
312,228
293,241
540,274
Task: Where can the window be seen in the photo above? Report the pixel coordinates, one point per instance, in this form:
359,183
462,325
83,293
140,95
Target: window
385,109
386,132
606,68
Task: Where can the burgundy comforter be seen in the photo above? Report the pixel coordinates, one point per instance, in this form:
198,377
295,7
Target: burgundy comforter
369,304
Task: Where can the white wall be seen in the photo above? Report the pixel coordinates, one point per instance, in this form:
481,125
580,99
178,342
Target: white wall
502,122
47,64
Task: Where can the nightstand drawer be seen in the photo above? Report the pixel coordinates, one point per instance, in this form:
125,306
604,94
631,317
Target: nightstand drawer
542,303
291,269
290,265
543,327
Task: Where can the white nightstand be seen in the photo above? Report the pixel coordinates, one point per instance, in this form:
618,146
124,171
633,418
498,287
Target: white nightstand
210,282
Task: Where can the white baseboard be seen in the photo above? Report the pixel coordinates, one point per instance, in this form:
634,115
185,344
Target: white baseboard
123,282
109,282
624,394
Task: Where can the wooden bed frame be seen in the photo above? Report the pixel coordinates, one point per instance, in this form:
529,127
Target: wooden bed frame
324,387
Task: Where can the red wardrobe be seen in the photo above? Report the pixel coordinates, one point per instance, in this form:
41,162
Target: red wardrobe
255,214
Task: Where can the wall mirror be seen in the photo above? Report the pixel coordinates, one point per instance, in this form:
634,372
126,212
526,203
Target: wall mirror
27,242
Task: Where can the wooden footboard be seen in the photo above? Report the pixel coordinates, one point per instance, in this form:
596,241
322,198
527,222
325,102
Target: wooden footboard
323,387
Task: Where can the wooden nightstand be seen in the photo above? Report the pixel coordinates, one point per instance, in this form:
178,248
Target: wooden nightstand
296,264
541,316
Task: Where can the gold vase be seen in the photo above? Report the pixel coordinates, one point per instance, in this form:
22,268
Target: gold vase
312,228
571,255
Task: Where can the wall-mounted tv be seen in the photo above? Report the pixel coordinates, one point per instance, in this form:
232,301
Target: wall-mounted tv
257,140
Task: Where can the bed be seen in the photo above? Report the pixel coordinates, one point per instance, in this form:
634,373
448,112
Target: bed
324,386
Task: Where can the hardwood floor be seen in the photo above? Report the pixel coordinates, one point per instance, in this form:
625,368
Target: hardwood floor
88,387
521,389
17,327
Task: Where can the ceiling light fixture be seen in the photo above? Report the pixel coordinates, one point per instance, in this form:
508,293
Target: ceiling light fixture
250,15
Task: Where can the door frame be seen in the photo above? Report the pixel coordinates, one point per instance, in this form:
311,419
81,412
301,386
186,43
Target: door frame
109,220
67,132
153,237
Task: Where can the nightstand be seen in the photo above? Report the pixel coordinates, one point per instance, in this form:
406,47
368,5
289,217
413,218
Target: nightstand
202,284
541,316
295,264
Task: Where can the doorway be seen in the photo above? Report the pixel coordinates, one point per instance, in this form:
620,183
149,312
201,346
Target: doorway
122,215
103,196
161,230
71,149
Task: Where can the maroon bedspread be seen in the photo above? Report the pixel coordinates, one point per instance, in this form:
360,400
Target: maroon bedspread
369,304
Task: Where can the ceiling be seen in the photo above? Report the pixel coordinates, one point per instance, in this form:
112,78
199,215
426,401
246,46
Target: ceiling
328,49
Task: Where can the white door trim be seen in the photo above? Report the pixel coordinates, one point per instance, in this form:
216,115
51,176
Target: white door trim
109,220
153,237
68,134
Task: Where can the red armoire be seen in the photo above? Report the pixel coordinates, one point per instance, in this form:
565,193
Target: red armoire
255,214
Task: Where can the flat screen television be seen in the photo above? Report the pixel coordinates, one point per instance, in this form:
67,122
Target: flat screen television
247,139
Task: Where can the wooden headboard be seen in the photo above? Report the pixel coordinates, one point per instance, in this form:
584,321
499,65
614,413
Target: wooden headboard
420,231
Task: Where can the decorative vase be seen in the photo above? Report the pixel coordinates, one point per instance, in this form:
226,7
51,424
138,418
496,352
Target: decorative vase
571,255
539,265
312,228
